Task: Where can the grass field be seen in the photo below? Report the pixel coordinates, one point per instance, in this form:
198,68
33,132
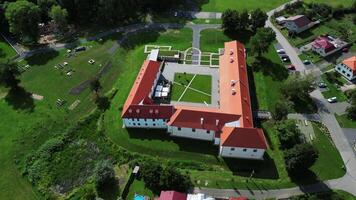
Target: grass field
222,5
345,122
6,51
138,187
328,156
196,82
23,114
333,91
211,40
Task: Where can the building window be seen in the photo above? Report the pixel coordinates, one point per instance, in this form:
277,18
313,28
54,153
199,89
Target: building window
208,131
348,75
153,119
146,124
154,124
138,124
232,149
179,128
255,150
244,150
145,119
134,124
193,129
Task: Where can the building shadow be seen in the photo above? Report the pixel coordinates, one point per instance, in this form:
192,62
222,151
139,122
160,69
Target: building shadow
308,182
110,191
264,169
185,144
269,68
20,99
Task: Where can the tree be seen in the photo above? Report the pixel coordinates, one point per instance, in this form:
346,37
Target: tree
298,87
172,179
230,20
300,158
45,6
244,20
322,9
281,109
8,75
258,19
151,174
351,112
59,16
289,134
95,85
261,41
104,174
23,18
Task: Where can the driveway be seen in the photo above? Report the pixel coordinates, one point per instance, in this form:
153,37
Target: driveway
350,134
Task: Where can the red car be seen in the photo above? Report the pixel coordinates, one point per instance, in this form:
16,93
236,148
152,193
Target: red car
291,67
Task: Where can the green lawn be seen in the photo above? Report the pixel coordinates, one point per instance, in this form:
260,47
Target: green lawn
333,91
195,97
327,27
138,187
345,3
6,51
222,5
23,114
328,156
309,55
212,39
345,122
200,82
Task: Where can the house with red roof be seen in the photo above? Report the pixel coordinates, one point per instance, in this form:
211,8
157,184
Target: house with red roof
347,68
172,195
298,23
230,125
323,46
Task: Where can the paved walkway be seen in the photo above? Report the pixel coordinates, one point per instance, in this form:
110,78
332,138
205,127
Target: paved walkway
309,117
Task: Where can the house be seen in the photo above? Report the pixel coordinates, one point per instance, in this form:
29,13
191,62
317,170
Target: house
281,20
199,196
229,126
298,23
347,68
323,46
171,195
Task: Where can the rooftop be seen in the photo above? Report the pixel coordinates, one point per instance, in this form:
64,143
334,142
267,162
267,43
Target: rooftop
299,20
350,62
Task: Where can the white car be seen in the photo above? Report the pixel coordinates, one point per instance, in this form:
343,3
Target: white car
332,100
281,51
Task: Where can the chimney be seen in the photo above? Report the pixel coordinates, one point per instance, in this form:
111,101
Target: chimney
201,121
217,122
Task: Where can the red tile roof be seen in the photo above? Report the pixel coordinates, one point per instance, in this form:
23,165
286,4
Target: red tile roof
299,20
238,198
149,111
243,137
324,43
208,119
172,195
142,85
351,63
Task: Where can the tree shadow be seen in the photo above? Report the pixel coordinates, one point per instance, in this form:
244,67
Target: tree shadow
308,182
20,99
103,103
253,91
304,105
264,169
243,37
110,191
42,58
2,53
188,145
269,68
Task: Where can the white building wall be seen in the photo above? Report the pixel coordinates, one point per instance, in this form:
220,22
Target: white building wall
345,71
238,152
200,134
145,123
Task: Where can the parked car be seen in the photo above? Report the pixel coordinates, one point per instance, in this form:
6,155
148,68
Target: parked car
285,59
80,49
322,85
332,100
306,62
281,51
345,50
291,67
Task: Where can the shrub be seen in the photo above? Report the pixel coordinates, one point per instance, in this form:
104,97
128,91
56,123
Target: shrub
299,158
289,134
104,174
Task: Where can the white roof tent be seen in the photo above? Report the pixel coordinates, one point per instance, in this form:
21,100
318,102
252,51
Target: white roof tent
154,54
